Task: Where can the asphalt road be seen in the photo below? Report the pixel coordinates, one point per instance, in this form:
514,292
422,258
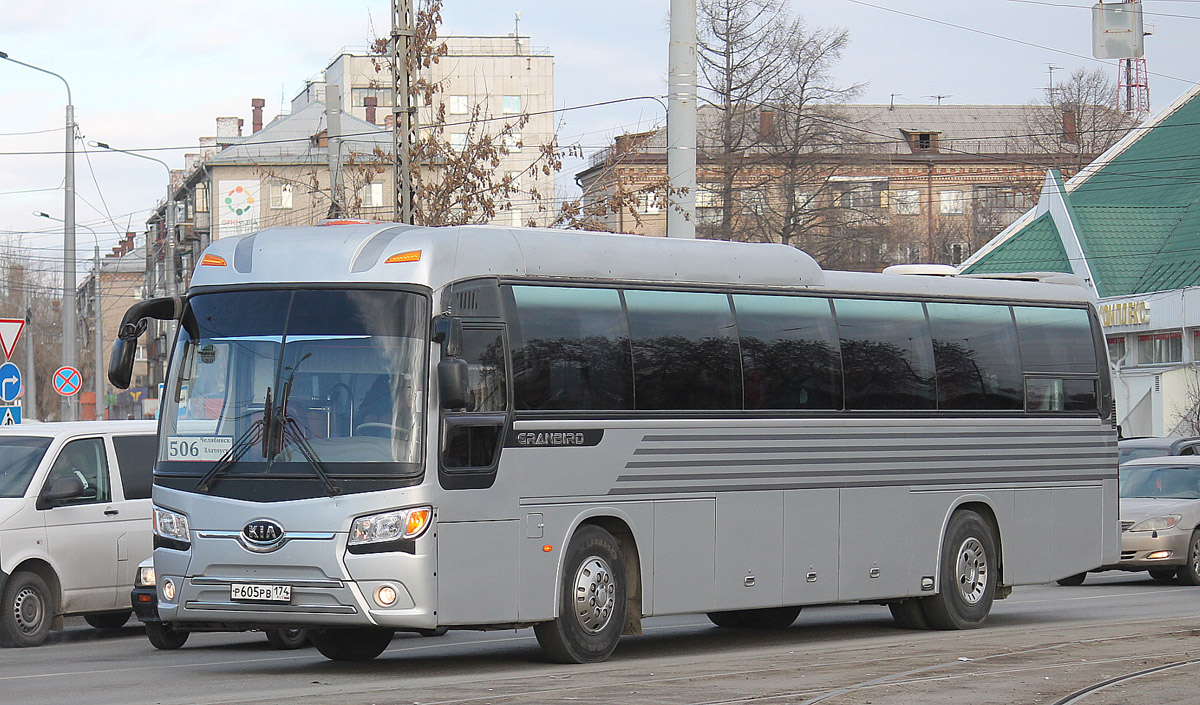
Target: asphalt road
1045,644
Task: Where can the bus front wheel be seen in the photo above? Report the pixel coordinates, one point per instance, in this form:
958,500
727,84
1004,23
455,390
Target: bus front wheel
592,599
355,644
968,574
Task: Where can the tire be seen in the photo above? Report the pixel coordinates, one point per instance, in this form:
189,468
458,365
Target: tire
766,618
26,611
1189,573
356,644
592,599
165,637
436,631
1072,580
108,620
968,575
1163,574
909,614
287,639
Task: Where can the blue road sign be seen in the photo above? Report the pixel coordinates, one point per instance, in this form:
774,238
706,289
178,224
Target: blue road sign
10,383
67,381
10,415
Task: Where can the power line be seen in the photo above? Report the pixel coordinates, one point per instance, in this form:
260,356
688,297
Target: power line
1005,38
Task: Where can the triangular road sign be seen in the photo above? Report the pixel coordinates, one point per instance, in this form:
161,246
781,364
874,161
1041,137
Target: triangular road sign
10,332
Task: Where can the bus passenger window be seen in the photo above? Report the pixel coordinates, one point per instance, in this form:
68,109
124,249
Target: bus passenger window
471,439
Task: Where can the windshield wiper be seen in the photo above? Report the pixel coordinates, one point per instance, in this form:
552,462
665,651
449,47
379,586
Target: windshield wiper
249,437
292,430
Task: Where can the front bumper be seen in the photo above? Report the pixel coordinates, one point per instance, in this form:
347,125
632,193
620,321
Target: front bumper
1150,550
145,604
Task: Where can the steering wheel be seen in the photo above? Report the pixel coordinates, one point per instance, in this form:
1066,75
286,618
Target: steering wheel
392,430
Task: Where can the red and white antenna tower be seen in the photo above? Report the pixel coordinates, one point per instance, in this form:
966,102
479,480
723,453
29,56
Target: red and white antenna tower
1118,33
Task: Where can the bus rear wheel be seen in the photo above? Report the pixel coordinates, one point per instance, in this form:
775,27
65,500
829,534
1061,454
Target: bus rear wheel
361,644
766,618
592,600
967,575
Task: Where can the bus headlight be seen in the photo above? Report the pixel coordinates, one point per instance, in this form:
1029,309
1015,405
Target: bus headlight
390,526
145,576
173,527
1157,523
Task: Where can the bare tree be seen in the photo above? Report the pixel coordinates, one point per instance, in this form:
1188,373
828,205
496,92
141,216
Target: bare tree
738,54
1079,119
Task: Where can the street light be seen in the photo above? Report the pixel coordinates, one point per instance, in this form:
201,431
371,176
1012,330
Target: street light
98,324
169,215
69,406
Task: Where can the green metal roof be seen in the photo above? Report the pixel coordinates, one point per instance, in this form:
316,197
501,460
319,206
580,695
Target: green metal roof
1036,248
1137,215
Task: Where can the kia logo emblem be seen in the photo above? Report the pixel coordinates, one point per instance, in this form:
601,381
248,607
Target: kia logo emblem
262,532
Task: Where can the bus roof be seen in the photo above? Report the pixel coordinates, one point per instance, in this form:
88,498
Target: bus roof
435,257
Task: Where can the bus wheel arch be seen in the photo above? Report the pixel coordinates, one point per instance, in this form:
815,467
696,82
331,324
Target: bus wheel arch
624,537
986,512
968,572
592,595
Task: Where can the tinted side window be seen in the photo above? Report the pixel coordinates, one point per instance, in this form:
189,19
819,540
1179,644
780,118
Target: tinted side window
887,354
1054,394
570,349
483,349
790,352
135,455
1055,339
685,351
975,349
471,439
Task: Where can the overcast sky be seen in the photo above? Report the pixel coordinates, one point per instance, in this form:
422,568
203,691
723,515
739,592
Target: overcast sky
156,75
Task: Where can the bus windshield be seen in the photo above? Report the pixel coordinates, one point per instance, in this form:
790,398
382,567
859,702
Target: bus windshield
279,383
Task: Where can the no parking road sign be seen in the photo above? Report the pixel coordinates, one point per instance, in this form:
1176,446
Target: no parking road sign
67,381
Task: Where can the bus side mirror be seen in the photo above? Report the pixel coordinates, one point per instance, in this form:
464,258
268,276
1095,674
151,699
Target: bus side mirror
452,383
120,363
447,331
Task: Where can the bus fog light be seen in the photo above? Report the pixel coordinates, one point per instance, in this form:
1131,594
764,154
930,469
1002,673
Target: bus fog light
385,595
169,590
1158,555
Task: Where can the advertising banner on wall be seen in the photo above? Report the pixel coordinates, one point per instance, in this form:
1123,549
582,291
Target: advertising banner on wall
237,206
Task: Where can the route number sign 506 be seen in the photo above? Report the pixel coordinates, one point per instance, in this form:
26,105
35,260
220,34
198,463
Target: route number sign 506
198,448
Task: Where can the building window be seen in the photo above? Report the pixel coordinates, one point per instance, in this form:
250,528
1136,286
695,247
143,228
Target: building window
708,205
382,96
755,201
1003,198
371,194
281,195
511,142
458,141
1160,348
459,105
647,203
863,196
512,104
907,201
804,200
1116,348
951,202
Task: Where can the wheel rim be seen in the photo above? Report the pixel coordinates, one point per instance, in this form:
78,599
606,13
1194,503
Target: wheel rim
595,595
972,572
29,610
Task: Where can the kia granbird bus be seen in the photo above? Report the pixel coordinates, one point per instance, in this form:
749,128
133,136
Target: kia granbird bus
377,427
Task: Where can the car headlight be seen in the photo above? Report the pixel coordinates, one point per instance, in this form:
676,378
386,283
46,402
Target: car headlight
145,576
390,526
1157,523
172,526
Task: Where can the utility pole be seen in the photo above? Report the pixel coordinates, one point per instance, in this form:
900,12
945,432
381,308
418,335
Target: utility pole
333,125
681,120
31,375
404,116
98,322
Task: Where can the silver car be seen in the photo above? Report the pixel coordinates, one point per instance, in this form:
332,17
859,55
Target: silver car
1160,519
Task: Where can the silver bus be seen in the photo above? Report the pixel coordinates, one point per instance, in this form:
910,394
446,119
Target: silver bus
376,427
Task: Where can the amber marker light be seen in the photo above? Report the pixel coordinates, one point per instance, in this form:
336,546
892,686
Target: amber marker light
213,261
417,519
411,256
547,548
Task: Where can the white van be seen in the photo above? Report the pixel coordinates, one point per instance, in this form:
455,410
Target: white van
74,523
